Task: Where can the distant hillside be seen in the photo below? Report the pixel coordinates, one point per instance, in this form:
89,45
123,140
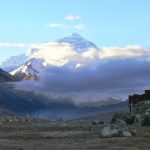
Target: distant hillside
28,103
19,102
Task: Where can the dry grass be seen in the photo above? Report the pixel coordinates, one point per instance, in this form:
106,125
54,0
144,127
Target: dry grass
75,135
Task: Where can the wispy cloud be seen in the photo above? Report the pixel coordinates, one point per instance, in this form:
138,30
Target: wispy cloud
55,25
80,27
72,17
124,52
20,45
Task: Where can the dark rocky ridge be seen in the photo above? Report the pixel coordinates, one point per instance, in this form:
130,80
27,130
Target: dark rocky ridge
6,77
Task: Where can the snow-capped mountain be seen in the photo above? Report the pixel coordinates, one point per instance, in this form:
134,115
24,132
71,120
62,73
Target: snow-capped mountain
13,62
78,42
29,70
59,53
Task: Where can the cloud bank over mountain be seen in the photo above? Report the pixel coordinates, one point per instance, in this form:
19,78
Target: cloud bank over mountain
91,75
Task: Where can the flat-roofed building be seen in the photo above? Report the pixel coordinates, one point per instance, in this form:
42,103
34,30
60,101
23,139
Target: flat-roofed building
139,103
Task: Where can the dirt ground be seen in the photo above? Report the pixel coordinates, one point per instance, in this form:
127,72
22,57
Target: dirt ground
65,135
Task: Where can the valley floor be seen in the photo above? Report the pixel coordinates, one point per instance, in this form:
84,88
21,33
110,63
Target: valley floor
65,135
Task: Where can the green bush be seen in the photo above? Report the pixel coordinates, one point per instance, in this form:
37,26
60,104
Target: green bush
129,119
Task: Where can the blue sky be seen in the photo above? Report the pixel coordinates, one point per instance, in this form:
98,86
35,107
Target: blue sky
105,22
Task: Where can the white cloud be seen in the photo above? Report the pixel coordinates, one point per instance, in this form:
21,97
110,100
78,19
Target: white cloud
122,52
80,27
72,17
54,53
19,45
55,25
90,53
59,54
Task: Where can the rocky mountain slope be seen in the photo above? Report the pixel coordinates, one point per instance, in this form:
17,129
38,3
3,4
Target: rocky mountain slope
6,77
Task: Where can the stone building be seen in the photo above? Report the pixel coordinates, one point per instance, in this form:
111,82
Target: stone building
139,103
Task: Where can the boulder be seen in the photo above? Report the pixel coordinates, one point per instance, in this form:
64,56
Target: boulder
114,132
106,132
126,134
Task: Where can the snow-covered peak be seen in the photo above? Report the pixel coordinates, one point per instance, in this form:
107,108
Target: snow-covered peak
75,36
29,70
63,52
13,62
78,42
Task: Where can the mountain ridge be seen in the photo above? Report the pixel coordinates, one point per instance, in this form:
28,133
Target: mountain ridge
78,42
31,72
